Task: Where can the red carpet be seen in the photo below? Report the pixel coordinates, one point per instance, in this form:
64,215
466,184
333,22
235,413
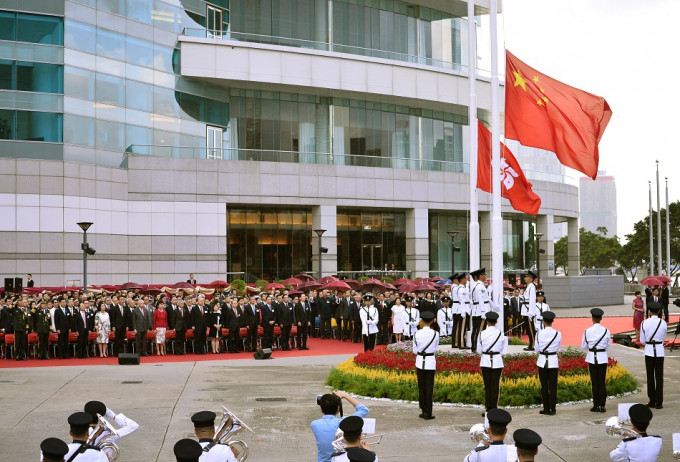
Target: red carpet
317,347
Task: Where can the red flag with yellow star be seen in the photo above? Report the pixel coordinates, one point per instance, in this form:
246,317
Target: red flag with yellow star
514,185
544,113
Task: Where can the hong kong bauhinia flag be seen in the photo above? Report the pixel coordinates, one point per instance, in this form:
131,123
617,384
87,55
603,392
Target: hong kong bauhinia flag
547,114
514,185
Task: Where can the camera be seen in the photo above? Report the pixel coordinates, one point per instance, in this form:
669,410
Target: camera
676,302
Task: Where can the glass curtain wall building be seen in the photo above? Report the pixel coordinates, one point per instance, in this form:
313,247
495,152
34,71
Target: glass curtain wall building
214,137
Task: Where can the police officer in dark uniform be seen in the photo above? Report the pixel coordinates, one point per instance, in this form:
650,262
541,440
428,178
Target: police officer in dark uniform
21,320
42,321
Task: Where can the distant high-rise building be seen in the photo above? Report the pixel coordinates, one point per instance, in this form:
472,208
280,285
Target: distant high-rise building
598,203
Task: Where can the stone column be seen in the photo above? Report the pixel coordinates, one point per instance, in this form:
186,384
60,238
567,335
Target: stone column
573,247
417,243
544,224
484,241
325,217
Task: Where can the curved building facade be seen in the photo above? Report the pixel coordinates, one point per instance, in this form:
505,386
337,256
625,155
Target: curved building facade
214,137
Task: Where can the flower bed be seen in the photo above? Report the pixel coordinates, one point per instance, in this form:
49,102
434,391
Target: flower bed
390,373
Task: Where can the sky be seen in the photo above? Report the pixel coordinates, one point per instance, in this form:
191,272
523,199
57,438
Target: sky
629,53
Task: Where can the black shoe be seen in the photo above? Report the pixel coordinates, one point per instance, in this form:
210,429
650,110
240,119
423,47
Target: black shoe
428,417
145,354
595,409
552,412
543,411
421,415
659,406
651,404
602,409
528,349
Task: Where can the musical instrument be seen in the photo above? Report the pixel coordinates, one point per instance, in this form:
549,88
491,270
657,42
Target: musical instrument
479,435
230,426
620,429
107,447
340,444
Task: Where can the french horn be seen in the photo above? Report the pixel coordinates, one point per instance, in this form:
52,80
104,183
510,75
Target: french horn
107,447
479,435
228,428
619,429
340,445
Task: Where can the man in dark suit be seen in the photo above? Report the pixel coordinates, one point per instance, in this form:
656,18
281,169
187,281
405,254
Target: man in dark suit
62,322
120,323
355,307
516,309
303,318
191,279
42,322
181,322
384,317
325,306
251,320
653,297
314,307
665,296
21,320
171,309
344,312
29,280
268,321
285,318
84,323
199,316
142,321
232,316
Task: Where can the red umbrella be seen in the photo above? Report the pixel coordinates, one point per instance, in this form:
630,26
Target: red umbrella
274,285
183,285
327,279
218,285
389,286
309,285
352,283
436,279
507,286
408,287
425,287
294,293
336,285
293,281
401,281
372,285
652,281
304,277
130,285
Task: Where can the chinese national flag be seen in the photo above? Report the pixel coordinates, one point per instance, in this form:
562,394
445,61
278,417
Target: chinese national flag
547,114
515,186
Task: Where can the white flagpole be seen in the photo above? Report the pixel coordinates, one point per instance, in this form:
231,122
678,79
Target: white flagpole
496,220
472,120
651,233
668,236
658,220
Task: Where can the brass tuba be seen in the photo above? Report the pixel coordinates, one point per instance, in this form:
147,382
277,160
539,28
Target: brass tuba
104,428
619,429
230,426
340,445
479,435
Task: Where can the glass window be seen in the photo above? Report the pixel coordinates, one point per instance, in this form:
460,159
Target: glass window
162,58
139,52
110,90
39,77
6,124
139,10
139,136
165,16
112,6
40,29
7,25
109,135
110,44
79,83
80,36
7,74
139,96
164,102
39,126
78,130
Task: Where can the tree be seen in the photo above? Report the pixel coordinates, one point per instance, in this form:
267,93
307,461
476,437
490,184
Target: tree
561,254
598,250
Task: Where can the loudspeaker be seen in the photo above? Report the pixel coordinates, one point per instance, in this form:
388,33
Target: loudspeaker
18,284
128,358
9,285
624,339
265,353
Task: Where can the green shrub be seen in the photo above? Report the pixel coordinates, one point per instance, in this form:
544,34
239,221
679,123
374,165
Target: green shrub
387,279
261,284
239,285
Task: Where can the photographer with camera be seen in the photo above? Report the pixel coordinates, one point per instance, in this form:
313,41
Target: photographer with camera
324,428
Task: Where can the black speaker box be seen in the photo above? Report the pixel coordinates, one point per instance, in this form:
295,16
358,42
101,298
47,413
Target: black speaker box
128,358
265,353
18,284
9,285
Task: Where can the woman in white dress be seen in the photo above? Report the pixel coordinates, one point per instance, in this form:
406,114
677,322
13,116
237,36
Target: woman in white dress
103,323
398,319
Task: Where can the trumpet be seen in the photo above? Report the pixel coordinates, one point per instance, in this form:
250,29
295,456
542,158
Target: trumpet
340,445
619,429
479,435
107,447
230,426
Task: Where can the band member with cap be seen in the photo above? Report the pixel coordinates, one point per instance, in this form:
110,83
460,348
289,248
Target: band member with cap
642,448
425,344
529,307
369,322
187,450
527,443
80,424
411,318
548,343
463,295
652,335
476,289
445,318
125,424
541,308
455,309
496,424
53,450
356,449
596,340
492,345
213,451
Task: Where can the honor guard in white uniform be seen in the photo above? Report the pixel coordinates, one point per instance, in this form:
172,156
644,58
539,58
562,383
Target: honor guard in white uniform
352,428
80,423
445,318
411,318
640,448
492,345
548,343
213,451
541,307
369,322
125,424
496,425
476,306
187,450
464,310
425,344
527,443
53,449
652,335
529,308
596,340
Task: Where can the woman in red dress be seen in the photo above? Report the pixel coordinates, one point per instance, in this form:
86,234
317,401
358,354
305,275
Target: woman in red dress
639,313
160,324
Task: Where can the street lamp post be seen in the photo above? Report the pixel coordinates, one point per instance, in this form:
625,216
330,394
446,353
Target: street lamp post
87,250
453,235
538,237
319,232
